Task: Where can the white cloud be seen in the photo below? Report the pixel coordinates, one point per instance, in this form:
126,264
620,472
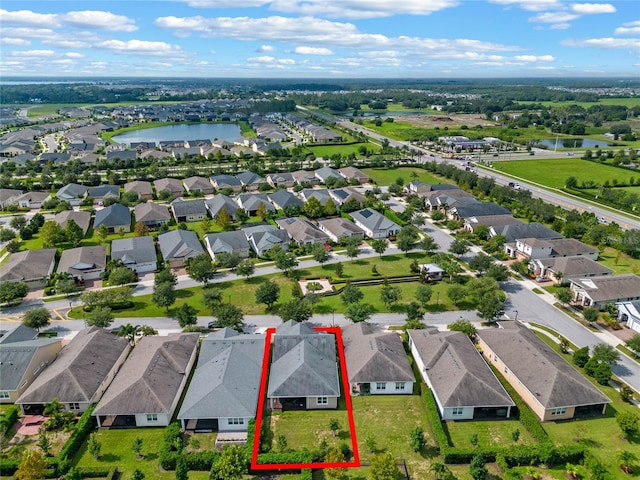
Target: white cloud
266,48
554,17
73,55
629,28
14,41
27,17
262,59
99,20
313,51
534,58
33,53
361,8
605,43
140,47
226,3
592,8
213,52
560,26
530,5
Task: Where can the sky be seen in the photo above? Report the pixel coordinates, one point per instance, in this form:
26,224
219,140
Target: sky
320,38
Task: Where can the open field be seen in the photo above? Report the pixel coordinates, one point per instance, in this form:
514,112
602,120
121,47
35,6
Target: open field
389,176
326,151
624,101
490,433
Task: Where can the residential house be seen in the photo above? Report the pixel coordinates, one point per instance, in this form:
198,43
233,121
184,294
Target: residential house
252,203
374,224
376,361
553,389
116,217
151,214
283,199
103,192
431,271
193,184
462,384
177,246
340,228
80,374
250,181
72,193
188,210
34,267
121,155
346,195
417,186
325,173
629,312
444,200
33,200
304,178
171,185
227,242
565,268
353,174
23,356
320,194
302,231
263,238
221,202
476,209
136,253
223,393
56,158
303,373
534,248
83,263
147,389
598,291
277,180
226,181
472,223
515,230
141,187
81,218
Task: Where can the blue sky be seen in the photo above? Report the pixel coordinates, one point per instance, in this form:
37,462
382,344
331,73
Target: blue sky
320,38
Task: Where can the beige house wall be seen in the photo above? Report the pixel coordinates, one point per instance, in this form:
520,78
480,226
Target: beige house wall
312,403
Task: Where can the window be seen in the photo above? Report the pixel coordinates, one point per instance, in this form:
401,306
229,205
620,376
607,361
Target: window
506,370
457,411
24,384
322,401
36,370
558,411
74,406
381,386
399,385
4,395
152,417
235,421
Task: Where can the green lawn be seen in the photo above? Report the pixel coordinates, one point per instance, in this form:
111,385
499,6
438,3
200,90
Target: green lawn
490,433
116,450
624,101
619,262
326,151
389,176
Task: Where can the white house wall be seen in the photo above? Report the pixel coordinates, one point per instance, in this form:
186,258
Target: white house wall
224,425
390,388
163,420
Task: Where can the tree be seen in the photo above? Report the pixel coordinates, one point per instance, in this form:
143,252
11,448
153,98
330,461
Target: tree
51,234
6,234
464,326
428,244
424,294
182,469
339,269
334,426
232,464
136,447
414,312
319,253
358,312
478,468
137,475
351,294
129,332
312,208
122,276
581,356
383,467
245,268
200,268
44,443
164,295
564,295
228,260
73,474
458,247
407,238
600,371
634,343
480,262
590,314
165,276
13,246
628,422
333,456
379,245
11,291
18,222
352,248
285,261
229,315
295,309
390,294
205,224
33,466
94,446
211,297
186,315
268,293
140,229
498,271
455,293
490,305
103,233
100,316
36,318
440,470
330,208
74,233
223,219
418,442
66,285
605,353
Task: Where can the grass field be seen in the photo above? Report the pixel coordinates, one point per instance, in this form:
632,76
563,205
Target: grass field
627,102
490,433
389,176
326,151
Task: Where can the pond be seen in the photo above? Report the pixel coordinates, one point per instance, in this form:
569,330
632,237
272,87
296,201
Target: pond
574,143
197,131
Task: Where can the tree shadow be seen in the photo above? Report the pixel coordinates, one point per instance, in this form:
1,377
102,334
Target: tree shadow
184,293
391,258
109,458
429,452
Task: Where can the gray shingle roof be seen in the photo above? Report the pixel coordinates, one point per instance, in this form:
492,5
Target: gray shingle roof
83,219
225,181
134,250
302,230
79,369
541,370
75,260
249,178
170,184
112,216
151,212
197,183
28,265
71,191
477,209
610,287
339,226
514,231
457,372
282,199
575,266
375,356
15,358
221,202
150,379
179,244
326,172
141,187
227,242
19,333
227,379
321,194
188,207
374,220
102,191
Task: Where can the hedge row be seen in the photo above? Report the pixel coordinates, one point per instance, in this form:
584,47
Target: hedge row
442,439
80,433
8,418
169,454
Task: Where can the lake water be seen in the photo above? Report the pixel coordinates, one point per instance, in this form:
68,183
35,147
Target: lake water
574,143
198,131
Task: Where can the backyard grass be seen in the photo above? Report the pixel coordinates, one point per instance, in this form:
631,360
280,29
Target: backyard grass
490,433
389,176
116,451
618,261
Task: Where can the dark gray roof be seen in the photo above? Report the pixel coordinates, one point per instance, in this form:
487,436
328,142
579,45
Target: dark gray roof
514,231
225,180
457,372
281,177
15,358
265,236
179,244
71,191
28,265
375,356
477,209
134,250
249,178
374,220
79,369
540,369
326,172
291,327
302,230
188,207
102,191
221,202
575,266
252,201
282,199
112,216
151,377
227,379
321,194
610,287
226,242
570,246
492,220
19,333
303,366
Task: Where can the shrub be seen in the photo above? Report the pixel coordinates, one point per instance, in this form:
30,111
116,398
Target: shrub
7,420
80,433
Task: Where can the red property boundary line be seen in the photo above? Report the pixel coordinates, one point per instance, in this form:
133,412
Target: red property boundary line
347,396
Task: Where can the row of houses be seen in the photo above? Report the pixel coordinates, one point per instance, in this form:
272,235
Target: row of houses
141,385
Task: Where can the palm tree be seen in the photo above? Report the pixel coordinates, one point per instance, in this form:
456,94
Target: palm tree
129,331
